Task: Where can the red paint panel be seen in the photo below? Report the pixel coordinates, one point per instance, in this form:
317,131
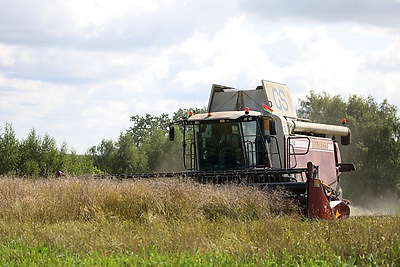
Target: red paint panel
321,153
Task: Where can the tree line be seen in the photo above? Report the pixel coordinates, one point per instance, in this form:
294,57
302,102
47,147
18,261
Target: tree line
144,147
37,156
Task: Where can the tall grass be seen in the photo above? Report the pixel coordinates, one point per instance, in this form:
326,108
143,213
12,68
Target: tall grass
166,220
85,199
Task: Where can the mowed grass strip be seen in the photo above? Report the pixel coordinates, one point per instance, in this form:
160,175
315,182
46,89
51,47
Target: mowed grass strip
177,222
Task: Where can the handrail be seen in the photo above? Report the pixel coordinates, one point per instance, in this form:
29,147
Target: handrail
290,146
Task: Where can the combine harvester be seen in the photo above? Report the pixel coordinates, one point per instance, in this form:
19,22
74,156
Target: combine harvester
254,137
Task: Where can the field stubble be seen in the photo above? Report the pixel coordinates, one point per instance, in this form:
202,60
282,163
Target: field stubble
172,216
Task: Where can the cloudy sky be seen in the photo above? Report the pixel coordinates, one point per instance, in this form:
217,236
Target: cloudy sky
78,69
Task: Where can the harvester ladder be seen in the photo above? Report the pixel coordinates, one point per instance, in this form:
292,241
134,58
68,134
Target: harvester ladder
277,153
189,157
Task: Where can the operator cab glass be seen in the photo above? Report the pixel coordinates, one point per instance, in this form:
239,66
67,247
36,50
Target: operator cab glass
228,145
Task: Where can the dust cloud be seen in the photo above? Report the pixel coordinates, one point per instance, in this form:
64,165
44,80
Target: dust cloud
389,206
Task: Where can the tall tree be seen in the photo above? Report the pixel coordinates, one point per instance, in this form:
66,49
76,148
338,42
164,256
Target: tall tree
8,151
128,158
30,155
50,160
103,155
145,126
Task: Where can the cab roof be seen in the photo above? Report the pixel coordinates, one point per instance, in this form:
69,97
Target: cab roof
223,115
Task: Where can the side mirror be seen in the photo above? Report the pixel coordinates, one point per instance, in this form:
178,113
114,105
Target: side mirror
171,133
346,167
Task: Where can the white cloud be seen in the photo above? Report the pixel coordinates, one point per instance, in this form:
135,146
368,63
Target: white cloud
381,69
92,12
108,25
318,61
375,32
367,12
311,59
7,55
233,55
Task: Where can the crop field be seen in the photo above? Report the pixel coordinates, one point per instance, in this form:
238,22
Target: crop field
87,221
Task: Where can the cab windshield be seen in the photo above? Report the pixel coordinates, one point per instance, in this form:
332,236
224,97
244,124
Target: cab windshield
229,145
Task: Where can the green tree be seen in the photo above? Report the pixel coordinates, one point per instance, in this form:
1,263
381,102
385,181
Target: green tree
145,126
159,153
74,164
50,160
39,157
144,147
104,155
172,156
9,154
128,158
375,141
30,155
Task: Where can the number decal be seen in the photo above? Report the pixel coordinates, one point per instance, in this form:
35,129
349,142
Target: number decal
280,99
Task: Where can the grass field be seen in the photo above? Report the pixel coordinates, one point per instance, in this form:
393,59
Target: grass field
89,222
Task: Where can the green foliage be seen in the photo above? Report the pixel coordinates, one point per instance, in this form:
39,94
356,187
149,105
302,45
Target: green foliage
74,164
375,148
128,158
122,156
9,151
145,126
144,147
30,155
103,155
38,156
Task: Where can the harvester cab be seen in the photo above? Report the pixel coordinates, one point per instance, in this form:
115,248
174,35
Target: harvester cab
253,136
